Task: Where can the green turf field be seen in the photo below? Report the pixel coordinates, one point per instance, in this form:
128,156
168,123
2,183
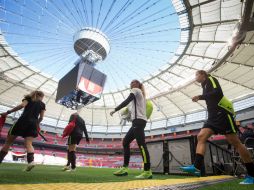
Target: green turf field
13,174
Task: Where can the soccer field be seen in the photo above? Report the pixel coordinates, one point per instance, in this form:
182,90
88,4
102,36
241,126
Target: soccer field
12,177
12,173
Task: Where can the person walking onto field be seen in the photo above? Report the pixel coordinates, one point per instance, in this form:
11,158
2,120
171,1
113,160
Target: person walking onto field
220,121
74,139
139,119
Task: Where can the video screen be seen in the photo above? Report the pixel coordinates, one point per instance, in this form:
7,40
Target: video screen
81,86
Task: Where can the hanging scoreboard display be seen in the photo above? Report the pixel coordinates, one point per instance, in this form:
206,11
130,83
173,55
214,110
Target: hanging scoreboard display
81,86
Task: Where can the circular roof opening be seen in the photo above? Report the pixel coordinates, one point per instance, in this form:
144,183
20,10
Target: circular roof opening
143,35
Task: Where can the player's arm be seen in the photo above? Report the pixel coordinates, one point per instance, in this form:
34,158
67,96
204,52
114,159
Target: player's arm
17,108
124,103
42,113
85,131
41,116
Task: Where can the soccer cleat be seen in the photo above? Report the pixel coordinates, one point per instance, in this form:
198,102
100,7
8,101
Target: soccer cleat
123,171
29,167
145,175
66,168
71,170
247,181
191,169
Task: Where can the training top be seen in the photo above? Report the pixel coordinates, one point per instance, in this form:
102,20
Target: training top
80,126
212,94
32,109
137,105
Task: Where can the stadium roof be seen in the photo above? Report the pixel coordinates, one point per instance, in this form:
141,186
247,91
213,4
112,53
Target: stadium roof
205,29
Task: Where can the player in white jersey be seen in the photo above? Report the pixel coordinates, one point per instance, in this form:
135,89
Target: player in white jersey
137,109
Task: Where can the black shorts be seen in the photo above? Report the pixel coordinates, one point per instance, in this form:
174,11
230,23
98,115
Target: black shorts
24,128
221,122
74,139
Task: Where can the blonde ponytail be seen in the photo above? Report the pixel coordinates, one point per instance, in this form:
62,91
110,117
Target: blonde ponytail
142,88
34,95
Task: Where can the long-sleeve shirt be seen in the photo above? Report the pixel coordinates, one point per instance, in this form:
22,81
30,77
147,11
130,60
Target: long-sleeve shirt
212,94
80,126
138,104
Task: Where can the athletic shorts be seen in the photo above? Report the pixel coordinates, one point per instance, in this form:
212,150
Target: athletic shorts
221,123
74,139
24,128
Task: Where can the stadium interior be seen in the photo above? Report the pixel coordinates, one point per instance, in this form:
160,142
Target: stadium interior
51,45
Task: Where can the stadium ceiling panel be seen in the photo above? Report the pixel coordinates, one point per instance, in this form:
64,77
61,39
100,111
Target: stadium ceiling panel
205,28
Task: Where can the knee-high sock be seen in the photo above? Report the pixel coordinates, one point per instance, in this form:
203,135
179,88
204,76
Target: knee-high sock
30,157
250,168
73,159
199,161
2,155
68,158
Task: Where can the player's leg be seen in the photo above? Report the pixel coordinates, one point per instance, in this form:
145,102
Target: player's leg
67,166
129,137
72,150
245,155
140,137
202,137
30,153
4,150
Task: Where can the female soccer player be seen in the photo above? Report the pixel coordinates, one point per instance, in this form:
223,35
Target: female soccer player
26,126
220,121
73,140
139,119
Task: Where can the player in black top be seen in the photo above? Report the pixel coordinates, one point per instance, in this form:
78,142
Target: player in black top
220,120
73,140
26,126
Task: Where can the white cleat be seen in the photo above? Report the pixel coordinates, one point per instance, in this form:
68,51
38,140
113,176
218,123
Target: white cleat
65,168
29,167
71,170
